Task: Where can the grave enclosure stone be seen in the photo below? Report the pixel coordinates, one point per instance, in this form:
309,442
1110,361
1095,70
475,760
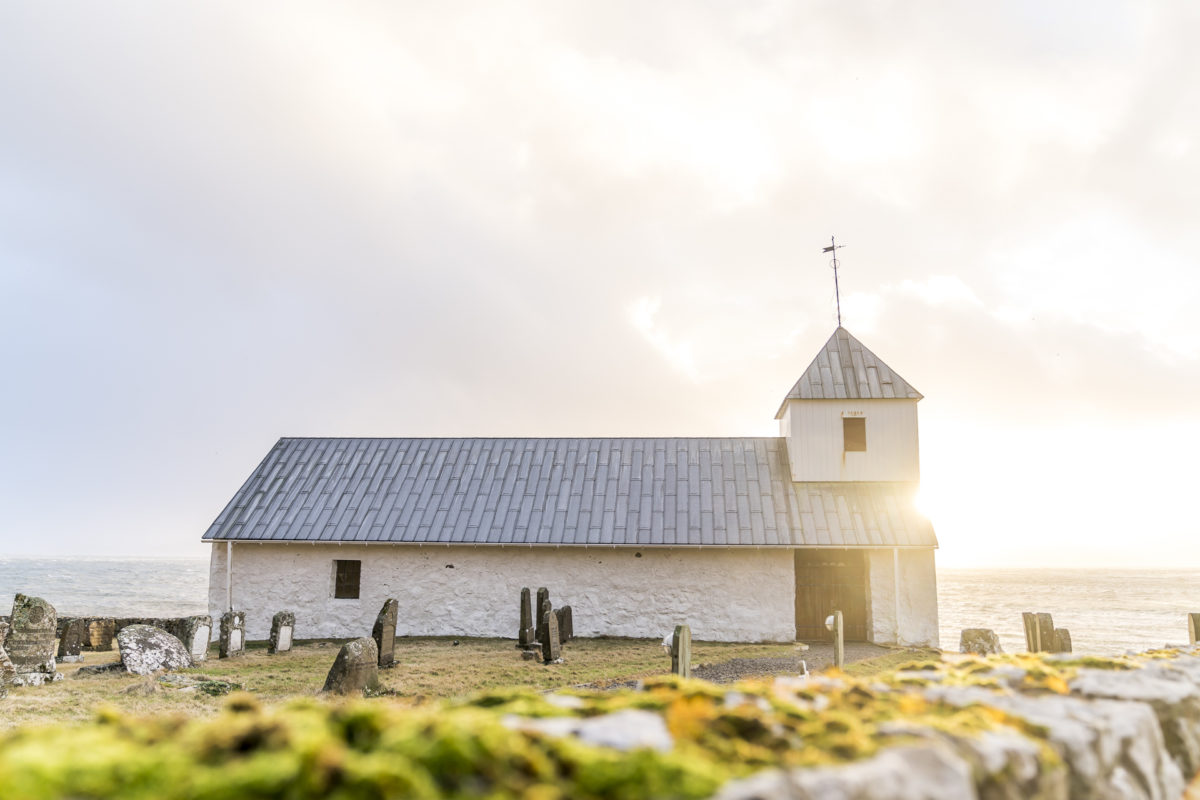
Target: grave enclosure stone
384,632
233,634
283,624
195,633
30,641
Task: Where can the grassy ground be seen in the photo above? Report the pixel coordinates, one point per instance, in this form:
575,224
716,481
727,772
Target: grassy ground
889,662
426,668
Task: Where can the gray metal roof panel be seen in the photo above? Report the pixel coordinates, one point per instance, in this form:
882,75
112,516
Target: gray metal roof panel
632,492
845,369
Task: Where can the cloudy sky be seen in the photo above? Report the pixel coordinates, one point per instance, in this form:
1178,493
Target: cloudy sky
223,223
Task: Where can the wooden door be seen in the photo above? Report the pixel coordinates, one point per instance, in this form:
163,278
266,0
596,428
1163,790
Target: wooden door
828,580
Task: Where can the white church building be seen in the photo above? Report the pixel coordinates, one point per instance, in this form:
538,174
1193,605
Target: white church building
745,539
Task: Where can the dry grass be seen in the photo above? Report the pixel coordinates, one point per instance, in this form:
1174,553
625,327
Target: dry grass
427,668
889,662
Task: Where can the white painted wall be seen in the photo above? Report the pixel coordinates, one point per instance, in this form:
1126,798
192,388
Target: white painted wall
813,429
918,598
723,594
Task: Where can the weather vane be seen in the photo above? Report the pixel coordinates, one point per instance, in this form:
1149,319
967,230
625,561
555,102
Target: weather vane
833,248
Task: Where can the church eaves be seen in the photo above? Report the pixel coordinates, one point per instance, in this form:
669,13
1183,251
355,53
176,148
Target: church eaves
845,369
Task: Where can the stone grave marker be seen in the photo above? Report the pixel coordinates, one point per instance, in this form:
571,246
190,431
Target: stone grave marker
100,634
384,632
543,597
195,633
30,641
526,633
1193,628
1062,640
981,641
145,649
681,651
233,634
567,624
7,671
356,668
70,640
282,626
551,646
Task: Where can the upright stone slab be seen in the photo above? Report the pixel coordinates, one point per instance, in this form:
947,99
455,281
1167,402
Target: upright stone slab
30,641
70,640
1062,640
544,612
1045,627
282,626
551,646
384,632
681,651
1193,628
356,668
543,597
7,671
526,633
233,634
567,624
195,633
981,641
100,634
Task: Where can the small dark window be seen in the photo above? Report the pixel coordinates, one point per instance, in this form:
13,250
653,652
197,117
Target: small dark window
854,434
345,579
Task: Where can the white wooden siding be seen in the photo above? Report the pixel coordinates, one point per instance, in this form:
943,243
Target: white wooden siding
814,433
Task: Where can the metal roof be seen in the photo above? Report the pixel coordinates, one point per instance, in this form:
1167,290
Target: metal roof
623,492
845,369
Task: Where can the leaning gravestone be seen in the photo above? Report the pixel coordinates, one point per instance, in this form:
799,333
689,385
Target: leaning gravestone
981,641
70,641
551,646
195,633
384,632
282,626
233,634
356,668
145,649
7,671
526,634
30,641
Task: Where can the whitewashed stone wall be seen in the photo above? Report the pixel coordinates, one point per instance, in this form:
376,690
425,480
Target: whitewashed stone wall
724,594
918,624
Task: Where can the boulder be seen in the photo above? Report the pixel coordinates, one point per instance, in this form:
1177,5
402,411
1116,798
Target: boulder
356,668
981,641
146,649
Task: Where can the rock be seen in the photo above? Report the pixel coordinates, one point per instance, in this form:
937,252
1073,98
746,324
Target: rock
551,646
99,669
70,640
981,641
356,668
233,634
622,730
282,626
384,632
30,641
146,649
7,671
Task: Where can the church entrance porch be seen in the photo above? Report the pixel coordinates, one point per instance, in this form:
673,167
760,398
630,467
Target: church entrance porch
829,580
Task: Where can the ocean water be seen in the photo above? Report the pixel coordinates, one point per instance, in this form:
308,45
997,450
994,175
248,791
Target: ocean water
1107,611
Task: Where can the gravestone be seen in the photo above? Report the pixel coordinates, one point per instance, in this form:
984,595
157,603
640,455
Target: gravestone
981,641
1193,628
551,646
526,633
30,641
100,633
543,597
146,649
1062,640
233,634
544,611
356,668
70,640
7,671
195,633
282,626
384,633
1045,628
681,651
567,624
